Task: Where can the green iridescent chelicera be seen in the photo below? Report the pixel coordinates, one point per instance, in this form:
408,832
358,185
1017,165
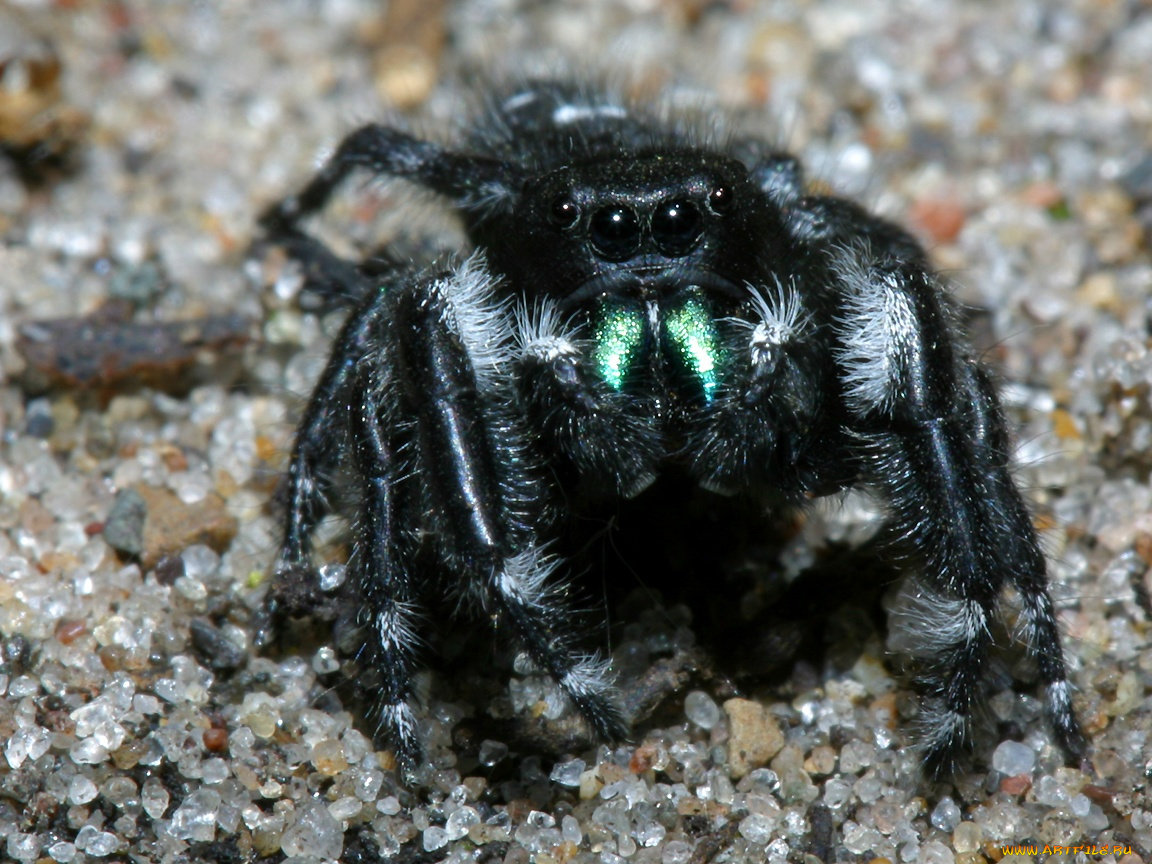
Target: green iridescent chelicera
688,333
619,332
691,331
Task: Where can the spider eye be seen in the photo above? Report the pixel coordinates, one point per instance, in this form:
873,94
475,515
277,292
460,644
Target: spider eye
720,200
676,226
615,233
564,212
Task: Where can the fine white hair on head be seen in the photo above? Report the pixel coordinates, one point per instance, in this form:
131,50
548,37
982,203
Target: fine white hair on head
878,330
477,317
540,332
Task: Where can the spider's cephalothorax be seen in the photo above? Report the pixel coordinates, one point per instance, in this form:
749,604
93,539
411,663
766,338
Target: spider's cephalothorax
638,299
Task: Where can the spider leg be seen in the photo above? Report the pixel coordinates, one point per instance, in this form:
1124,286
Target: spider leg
471,181
354,404
380,568
778,175
482,494
932,441
309,477
1028,573
329,281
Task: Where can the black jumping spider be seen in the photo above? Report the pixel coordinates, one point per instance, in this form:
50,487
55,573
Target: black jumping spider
639,298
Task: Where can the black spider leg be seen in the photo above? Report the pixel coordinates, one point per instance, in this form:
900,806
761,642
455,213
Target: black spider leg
483,499
471,181
380,565
385,151
309,477
933,443
1040,630
331,282
353,406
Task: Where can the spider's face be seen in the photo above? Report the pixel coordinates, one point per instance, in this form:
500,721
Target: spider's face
642,229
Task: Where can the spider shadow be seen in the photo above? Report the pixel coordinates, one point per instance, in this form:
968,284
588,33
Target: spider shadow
685,588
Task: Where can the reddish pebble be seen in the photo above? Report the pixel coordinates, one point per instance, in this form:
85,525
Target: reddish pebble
1099,794
1017,785
215,739
642,759
1043,195
174,458
94,528
68,631
940,218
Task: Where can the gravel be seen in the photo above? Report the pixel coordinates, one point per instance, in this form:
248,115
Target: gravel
137,723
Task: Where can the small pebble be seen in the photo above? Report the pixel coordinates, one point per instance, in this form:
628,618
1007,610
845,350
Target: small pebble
946,815
568,773
701,709
1012,758
754,736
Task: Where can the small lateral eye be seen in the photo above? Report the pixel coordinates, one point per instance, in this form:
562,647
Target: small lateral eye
720,199
564,212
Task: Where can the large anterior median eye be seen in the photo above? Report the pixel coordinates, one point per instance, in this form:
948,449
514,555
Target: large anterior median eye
615,232
676,226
